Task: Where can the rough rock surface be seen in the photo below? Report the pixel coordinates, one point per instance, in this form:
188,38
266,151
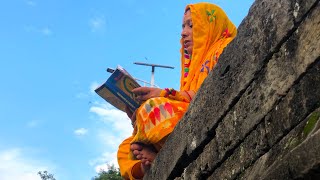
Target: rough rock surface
257,114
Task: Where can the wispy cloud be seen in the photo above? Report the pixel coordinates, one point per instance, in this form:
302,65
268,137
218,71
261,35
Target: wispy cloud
104,162
121,128
87,95
97,24
93,86
103,167
15,165
109,139
116,118
46,31
31,3
81,132
33,123
82,95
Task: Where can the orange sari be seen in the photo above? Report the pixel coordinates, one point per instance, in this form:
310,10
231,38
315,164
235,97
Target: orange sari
157,117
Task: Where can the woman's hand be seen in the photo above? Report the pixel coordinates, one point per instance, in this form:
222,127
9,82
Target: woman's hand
145,93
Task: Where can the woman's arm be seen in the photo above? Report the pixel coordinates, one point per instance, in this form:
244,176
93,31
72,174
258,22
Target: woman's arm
145,93
185,96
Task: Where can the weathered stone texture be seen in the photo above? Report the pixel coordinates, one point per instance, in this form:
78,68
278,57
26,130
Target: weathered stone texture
253,107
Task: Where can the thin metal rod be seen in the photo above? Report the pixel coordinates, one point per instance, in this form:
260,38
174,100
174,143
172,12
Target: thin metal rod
153,69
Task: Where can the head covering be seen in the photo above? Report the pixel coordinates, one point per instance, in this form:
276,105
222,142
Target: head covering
212,31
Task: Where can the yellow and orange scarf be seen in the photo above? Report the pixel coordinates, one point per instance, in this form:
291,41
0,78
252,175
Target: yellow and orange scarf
212,31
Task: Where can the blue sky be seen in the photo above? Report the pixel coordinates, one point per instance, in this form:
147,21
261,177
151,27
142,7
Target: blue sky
53,54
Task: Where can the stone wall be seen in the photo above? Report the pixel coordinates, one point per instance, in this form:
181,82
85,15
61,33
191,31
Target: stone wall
257,115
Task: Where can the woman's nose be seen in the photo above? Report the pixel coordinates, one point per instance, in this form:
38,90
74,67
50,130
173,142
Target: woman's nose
183,33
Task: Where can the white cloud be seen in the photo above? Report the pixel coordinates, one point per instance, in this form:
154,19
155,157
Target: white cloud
33,123
46,31
110,140
31,3
82,95
94,86
119,120
121,128
15,165
102,167
97,24
87,95
105,161
81,132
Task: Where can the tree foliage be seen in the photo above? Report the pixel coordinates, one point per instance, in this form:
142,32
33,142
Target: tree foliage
44,175
112,174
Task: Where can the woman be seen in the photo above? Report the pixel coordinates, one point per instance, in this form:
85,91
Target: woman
206,31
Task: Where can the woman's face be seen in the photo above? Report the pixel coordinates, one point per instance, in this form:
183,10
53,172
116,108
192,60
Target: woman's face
187,32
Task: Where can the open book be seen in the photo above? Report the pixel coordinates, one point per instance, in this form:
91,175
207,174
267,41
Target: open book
117,90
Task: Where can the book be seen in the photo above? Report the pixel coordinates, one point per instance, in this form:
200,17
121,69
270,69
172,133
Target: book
117,90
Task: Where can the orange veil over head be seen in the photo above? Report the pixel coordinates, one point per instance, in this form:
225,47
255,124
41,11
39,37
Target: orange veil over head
212,31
